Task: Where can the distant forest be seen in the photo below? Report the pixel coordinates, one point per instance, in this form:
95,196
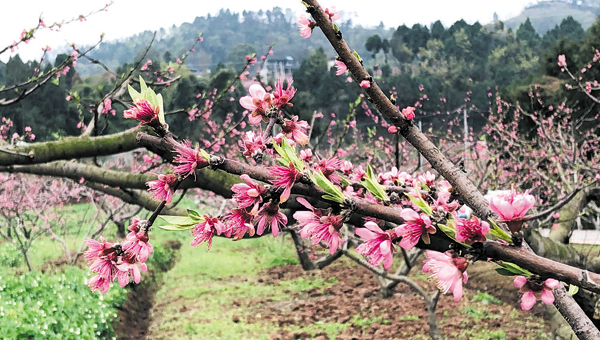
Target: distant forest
443,69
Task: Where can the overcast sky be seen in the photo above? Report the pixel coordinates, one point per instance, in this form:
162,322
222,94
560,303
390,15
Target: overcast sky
127,17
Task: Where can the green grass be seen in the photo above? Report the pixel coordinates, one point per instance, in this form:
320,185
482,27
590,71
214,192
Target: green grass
206,289
364,322
409,317
485,298
474,313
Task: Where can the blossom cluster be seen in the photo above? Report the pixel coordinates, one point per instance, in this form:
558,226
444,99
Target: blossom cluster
123,262
425,206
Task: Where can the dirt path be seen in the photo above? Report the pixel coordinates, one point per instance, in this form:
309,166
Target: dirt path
134,314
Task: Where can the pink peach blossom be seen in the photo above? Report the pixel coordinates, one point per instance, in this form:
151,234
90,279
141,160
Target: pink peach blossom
512,207
284,177
163,188
253,144
130,266
341,67
136,242
204,231
319,226
269,215
416,226
281,97
257,101
532,290
306,155
333,15
306,26
378,246
240,223
448,270
142,111
409,113
562,60
329,167
189,159
471,231
296,130
248,194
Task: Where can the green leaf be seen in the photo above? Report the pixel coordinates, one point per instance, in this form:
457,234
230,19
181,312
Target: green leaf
504,272
204,154
133,93
177,227
375,189
143,86
333,192
161,111
193,214
288,154
178,220
357,56
281,153
573,289
495,233
55,81
370,183
515,269
419,202
447,230
283,162
498,232
292,156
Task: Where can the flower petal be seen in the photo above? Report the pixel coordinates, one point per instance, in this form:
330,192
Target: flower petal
519,281
528,300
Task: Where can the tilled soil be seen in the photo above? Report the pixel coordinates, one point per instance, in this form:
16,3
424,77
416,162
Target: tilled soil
351,299
355,299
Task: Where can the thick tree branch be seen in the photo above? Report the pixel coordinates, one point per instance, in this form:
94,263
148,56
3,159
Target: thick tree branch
543,266
72,147
519,256
217,181
76,171
570,310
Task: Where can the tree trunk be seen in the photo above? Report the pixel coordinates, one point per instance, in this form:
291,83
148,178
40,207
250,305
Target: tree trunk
569,214
120,228
305,261
562,230
434,331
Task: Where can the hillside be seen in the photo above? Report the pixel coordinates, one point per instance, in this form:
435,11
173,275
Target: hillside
227,38
545,15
